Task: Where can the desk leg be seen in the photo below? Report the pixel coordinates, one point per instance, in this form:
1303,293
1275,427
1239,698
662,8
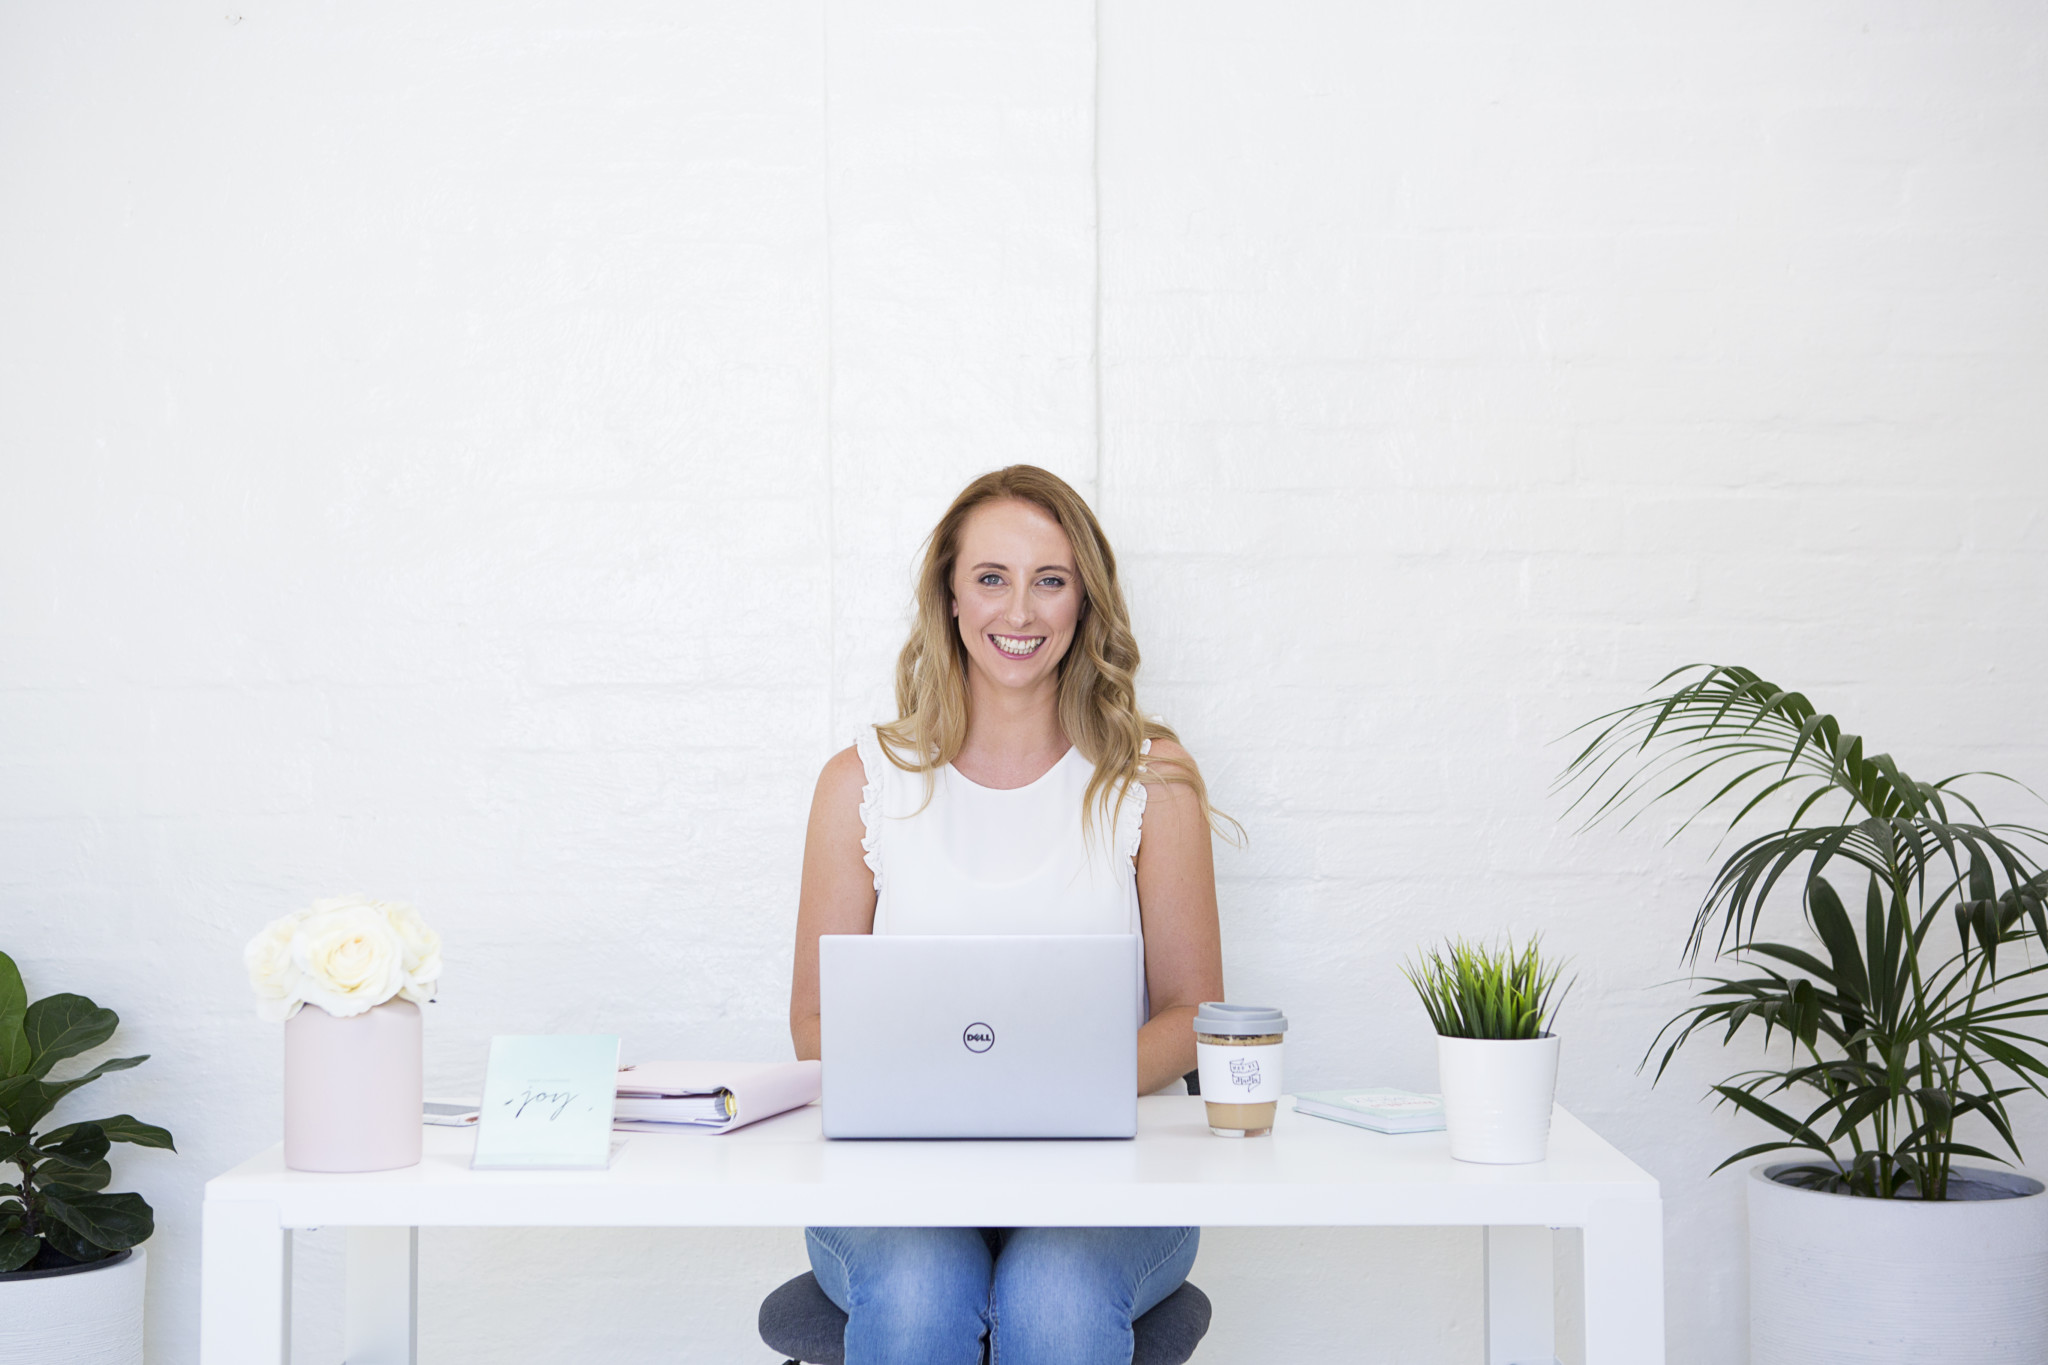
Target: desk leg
1521,1326
245,1285
1625,1283
380,1298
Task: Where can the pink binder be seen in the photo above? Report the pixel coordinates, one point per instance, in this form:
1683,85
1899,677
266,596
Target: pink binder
759,1089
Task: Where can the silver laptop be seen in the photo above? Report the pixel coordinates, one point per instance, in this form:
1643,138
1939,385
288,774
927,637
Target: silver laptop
979,1036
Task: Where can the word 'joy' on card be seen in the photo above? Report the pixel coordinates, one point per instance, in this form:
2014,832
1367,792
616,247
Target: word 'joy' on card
548,1102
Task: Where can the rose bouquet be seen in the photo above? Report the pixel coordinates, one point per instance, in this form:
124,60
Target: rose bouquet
348,955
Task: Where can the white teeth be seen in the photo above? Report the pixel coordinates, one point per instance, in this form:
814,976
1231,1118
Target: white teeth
1020,648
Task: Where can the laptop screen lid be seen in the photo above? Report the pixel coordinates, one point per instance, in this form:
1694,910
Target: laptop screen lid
979,1036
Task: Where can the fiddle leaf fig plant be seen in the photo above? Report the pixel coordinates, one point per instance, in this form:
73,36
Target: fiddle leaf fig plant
1898,1024
56,1211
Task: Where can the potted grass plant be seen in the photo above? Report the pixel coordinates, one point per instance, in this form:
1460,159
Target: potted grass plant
1892,1035
1496,1055
71,1259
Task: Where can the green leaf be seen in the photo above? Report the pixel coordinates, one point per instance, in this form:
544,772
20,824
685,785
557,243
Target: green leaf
1798,957
1861,1106
1982,886
17,1249
1895,1065
81,1144
14,1053
2013,1057
14,1092
1758,1150
1805,1012
111,1064
71,1243
61,1026
13,995
1772,1115
1939,1107
1831,921
112,1222
25,1101
120,1128
22,1107
69,1180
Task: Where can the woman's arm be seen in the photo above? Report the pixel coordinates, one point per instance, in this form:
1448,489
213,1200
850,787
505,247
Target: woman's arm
1177,900
838,893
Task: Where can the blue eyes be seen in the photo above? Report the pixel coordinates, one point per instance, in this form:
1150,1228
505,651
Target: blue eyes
995,580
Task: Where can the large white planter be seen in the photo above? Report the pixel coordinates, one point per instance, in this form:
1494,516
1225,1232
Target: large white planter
76,1317
1837,1280
1497,1096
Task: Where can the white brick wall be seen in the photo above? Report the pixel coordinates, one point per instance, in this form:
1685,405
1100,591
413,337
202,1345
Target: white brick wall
477,455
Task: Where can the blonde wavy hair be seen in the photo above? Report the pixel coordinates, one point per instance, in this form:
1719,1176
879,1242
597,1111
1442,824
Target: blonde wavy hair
1098,700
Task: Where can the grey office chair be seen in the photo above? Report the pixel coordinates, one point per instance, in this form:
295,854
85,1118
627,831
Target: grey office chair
809,1329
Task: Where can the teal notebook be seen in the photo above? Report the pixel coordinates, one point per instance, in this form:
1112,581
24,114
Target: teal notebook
1380,1108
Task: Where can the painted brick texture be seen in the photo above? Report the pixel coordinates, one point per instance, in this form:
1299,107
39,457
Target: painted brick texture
478,456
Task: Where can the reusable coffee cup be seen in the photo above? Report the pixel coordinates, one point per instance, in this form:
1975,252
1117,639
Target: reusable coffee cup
1237,1048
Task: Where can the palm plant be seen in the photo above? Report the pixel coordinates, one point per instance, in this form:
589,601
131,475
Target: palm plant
1893,1036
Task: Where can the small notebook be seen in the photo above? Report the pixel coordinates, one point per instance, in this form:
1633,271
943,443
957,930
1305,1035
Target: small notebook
1381,1109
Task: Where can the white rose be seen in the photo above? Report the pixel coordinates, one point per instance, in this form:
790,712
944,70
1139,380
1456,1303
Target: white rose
352,958
276,978
421,947
346,954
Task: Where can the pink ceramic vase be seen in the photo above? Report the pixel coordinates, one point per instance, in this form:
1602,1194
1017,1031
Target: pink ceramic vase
352,1089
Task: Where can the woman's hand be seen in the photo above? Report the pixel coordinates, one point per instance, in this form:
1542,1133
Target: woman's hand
1177,900
838,894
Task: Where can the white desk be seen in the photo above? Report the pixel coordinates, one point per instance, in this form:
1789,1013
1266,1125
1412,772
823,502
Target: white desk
782,1173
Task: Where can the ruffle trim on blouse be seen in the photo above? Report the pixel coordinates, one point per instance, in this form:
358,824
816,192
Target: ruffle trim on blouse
869,746
1131,818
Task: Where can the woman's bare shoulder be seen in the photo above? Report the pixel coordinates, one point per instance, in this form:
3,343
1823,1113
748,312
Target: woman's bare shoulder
1166,760
1170,751
1168,754
843,773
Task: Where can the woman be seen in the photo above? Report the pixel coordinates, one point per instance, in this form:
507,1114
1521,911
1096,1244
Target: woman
1019,791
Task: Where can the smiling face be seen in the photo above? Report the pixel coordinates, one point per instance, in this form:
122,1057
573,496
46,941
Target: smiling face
1016,594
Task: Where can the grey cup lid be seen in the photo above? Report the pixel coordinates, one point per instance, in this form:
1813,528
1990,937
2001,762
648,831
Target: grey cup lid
1238,1021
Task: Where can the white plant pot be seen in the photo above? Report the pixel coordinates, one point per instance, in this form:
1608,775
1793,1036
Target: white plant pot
1497,1096
77,1317
1838,1280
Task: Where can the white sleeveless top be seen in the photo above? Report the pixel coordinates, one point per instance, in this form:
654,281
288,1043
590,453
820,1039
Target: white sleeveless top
978,860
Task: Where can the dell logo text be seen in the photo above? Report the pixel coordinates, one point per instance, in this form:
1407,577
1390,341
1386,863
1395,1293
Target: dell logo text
978,1037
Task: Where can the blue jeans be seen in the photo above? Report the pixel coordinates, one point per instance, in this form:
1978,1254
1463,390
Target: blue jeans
1043,1296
